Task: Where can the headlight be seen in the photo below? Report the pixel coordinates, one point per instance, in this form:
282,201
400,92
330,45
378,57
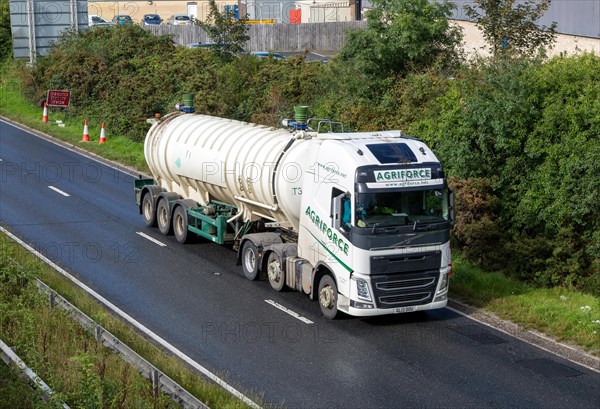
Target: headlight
363,290
444,283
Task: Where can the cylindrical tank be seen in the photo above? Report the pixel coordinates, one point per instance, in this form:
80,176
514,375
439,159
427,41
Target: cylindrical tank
255,167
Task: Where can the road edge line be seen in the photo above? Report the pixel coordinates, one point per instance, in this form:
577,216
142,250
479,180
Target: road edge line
545,343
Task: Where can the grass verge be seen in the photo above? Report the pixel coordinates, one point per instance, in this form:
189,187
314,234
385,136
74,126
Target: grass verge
565,314
82,372
15,107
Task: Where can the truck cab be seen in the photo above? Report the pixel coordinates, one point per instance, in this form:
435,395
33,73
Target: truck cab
376,218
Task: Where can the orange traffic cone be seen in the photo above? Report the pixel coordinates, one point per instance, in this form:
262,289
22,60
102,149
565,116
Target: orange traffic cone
45,114
86,134
102,135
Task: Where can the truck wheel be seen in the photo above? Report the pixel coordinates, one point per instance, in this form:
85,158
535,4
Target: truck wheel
180,225
275,272
328,297
162,217
148,211
250,260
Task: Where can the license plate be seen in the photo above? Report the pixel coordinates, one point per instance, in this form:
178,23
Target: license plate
401,310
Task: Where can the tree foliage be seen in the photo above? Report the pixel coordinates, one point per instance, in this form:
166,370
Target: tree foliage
228,34
403,36
510,26
5,32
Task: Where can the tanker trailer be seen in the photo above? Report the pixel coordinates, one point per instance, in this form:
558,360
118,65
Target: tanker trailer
358,221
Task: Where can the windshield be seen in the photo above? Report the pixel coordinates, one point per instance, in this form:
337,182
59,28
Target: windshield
402,208
152,18
182,18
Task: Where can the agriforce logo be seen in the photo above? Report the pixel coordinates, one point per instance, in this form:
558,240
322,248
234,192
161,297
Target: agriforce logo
325,230
402,175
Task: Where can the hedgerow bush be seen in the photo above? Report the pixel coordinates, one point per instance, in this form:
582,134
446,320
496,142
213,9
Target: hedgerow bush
533,127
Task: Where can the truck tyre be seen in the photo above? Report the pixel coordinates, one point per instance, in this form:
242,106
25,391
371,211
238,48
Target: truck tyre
148,210
328,295
275,272
163,218
180,225
250,260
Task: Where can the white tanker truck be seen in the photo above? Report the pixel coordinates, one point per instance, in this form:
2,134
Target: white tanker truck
358,221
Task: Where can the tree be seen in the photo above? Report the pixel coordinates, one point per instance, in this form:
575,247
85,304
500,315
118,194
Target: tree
228,34
403,35
512,29
5,32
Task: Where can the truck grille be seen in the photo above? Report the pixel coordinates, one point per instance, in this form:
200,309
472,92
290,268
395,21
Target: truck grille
403,289
400,299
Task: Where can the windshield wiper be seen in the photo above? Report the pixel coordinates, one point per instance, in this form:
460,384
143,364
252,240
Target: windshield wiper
424,226
383,229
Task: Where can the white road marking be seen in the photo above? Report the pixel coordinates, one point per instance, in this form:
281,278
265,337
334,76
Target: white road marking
290,312
57,190
152,239
135,323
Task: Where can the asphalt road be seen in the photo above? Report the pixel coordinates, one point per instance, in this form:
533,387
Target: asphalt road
196,297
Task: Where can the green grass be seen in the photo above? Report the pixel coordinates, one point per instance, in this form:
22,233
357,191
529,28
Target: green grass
15,393
14,106
65,337
554,311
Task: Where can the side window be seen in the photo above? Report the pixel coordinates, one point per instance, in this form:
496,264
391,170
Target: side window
345,210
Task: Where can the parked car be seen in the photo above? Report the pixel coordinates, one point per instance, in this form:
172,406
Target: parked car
122,19
267,54
96,20
179,20
151,20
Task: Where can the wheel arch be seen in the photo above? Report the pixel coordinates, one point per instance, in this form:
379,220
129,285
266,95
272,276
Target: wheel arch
320,270
154,191
260,240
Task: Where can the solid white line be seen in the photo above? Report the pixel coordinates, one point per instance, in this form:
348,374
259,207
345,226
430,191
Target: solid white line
288,311
136,324
57,190
524,340
152,239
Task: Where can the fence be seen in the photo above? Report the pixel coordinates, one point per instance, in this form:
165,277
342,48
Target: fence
11,359
278,37
160,381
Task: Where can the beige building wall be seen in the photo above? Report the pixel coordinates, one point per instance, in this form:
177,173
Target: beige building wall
164,8
474,43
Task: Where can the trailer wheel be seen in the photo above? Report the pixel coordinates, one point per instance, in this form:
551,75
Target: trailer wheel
275,272
250,260
328,297
148,211
180,225
162,217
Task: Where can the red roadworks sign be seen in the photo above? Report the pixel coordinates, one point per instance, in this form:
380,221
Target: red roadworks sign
57,98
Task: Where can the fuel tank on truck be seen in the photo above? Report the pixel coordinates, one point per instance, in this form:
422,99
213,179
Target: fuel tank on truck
258,168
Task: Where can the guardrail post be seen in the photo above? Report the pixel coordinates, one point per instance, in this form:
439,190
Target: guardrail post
98,330
155,377
52,299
